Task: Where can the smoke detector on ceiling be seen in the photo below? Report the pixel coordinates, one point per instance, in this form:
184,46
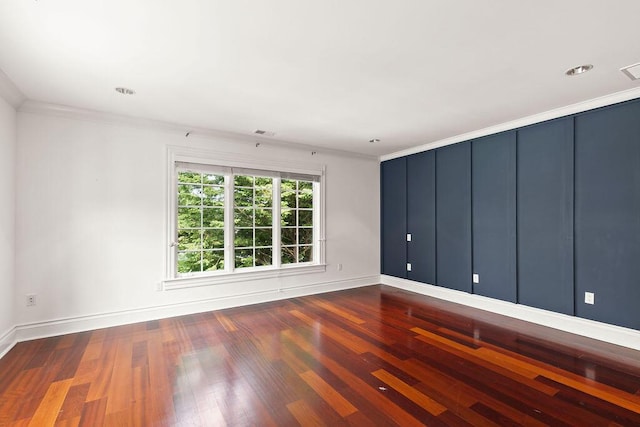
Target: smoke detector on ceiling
632,71
125,91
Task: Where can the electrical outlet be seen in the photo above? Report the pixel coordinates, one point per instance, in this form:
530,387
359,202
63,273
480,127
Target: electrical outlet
31,300
408,266
589,298
339,267
476,278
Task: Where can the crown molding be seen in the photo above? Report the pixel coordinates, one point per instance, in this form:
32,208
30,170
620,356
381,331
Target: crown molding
10,92
579,107
37,107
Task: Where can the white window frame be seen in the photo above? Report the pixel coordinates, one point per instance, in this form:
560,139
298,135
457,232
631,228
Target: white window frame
230,274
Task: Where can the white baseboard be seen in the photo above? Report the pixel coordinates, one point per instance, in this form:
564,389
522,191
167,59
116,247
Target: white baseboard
588,328
69,325
7,341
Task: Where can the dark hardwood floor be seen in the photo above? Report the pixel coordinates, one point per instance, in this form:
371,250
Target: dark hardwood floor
368,356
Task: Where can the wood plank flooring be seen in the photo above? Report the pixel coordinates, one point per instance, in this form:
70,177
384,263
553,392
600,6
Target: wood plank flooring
373,356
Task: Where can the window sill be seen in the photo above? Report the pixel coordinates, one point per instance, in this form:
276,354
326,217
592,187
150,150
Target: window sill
239,276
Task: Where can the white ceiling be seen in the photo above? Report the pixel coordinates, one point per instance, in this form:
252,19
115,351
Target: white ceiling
329,73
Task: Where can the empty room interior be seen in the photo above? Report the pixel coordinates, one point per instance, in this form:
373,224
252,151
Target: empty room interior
282,213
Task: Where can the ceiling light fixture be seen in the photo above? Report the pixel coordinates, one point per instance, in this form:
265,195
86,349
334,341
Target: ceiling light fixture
578,70
374,140
125,91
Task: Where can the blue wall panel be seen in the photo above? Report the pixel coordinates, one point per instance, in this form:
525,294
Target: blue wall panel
453,216
494,215
393,177
607,214
421,216
545,216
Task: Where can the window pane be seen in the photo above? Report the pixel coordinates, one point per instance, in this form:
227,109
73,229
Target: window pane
243,217
189,240
305,199
212,260
188,262
264,197
264,218
263,182
189,177
288,217
189,218
213,179
244,258
305,236
306,254
243,181
243,238
213,217
213,196
288,254
289,236
288,198
213,239
189,195
243,197
305,218
305,186
263,256
264,237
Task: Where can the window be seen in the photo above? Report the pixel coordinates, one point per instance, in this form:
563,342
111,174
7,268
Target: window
253,221
200,222
226,220
297,221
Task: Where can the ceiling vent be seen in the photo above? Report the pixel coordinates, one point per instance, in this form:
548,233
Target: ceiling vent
264,132
632,71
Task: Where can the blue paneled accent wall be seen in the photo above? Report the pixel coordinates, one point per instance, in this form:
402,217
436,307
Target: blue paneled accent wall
542,214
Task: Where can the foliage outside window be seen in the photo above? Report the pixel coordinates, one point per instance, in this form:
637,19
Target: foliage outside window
249,220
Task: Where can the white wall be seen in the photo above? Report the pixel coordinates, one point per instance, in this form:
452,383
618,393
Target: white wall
91,207
7,224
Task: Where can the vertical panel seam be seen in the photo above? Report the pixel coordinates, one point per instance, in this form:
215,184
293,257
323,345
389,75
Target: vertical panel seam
573,217
515,219
471,215
435,215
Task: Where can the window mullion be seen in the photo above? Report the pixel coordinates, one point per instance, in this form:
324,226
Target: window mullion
318,231
276,222
254,213
173,229
229,227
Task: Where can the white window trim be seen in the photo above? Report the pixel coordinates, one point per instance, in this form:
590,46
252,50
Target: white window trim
214,158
